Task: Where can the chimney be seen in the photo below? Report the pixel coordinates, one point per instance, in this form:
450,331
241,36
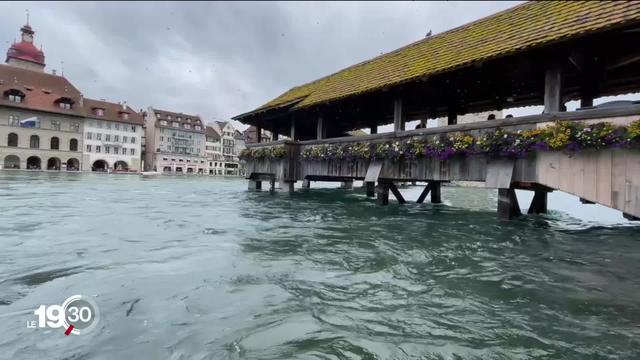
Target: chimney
81,100
124,105
53,71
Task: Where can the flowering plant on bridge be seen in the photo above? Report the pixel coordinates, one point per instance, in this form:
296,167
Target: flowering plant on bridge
561,136
276,152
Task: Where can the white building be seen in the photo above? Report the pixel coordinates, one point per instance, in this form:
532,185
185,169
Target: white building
112,137
175,142
221,148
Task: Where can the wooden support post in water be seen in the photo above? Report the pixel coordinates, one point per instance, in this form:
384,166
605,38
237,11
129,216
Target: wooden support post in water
272,185
321,130
508,206
424,194
396,192
306,184
382,193
287,186
371,188
399,115
374,129
436,195
255,185
553,88
538,203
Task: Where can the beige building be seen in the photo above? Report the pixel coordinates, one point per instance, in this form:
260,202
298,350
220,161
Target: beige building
41,116
222,149
174,143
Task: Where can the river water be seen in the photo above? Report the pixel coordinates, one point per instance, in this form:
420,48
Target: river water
199,268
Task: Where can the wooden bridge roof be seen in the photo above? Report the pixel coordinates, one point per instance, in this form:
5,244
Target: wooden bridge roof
523,27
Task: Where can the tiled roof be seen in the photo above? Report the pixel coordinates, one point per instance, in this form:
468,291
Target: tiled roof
179,117
526,26
41,90
210,132
112,112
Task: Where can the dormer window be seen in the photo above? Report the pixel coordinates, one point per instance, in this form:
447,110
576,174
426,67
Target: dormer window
187,126
64,103
124,115
169,117
198,127
14,95
98,111
179,118
175,124
158,115
189,120
163,122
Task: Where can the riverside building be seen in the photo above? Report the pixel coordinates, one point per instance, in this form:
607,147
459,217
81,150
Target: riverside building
222,149
175,142
41,114
112,137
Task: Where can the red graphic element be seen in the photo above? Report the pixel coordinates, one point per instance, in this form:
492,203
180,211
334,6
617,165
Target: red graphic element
68,330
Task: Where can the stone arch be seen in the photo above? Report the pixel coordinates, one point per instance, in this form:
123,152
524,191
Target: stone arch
121,165
100,165
11,162
34,163
73,164
53,163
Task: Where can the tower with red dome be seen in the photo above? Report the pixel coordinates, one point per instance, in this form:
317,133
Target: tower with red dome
24,54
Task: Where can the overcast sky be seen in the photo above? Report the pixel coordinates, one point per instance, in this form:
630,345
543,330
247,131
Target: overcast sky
224,58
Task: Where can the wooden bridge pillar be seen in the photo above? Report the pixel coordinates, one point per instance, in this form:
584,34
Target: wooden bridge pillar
553,88
255,185
293,128
539,203
382,193
321,131
432,187
287,186
508,206
371,188
306,184
399,115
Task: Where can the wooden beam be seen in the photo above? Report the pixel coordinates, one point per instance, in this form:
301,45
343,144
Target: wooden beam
371,188
553,88
346,185
374,129
399,115
396,192
436,195
452,115
258,134
306,184
424,193
321,130
293,127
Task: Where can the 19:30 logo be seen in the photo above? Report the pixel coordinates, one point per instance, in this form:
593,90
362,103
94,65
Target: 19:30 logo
78,314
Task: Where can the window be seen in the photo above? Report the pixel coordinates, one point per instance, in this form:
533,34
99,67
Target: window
117,126
34,142
107,137
98,111
163,122
12,140
187,126
98,148
88,148
133,128
169,117
188,160
125,139
55,125
124,115
133,151
108,125
175,124
107,149
133,140
189,120
165,159
98,136
15,98
161,138
64,105
89,135
178,118
116,138
75,127
55,143
198,127
124,151
14,120
73,145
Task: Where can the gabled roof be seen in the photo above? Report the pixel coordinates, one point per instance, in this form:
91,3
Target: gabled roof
112,112
526,26
179,117
213,133
41,90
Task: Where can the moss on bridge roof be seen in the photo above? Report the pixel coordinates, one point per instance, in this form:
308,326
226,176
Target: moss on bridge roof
529,25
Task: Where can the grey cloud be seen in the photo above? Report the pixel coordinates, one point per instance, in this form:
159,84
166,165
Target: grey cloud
220,59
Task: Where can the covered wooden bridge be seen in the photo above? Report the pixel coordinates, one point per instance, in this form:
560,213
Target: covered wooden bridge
537,53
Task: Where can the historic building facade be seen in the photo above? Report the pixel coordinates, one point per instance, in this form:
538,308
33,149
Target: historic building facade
41,115
175,143
222,149
112,137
